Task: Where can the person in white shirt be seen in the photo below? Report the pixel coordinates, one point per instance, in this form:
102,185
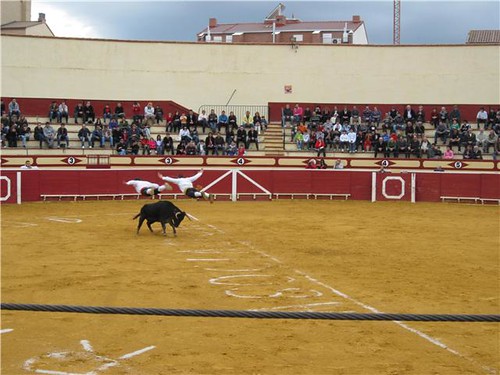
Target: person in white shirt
147,188
344,141
149,111
481,117
185,185
28,165
352,141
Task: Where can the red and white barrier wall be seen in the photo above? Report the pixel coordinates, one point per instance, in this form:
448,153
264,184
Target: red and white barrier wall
18,186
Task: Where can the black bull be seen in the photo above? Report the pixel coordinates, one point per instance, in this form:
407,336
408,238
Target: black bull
164,212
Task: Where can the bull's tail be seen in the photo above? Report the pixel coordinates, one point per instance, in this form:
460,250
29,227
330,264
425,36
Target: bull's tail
136,216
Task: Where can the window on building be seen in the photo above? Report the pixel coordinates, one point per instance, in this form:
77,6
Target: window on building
298,37
217,39
327,38
229,38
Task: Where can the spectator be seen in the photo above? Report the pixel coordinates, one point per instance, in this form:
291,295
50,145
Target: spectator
168,144
241,136
344,141
202,150
62,136
63,111
287,115
191,148
203,120
106,113
409,114
469,138
443,115
477,154
96,136
232,120
107,136
320,146
38,134
468,153
298,112
425,145
492,116
121,147
53,111
455,139
84,135
176,122
402,145
144,145
435,118
212,121
247,120
159,114
220,144
263,122
338,164
420,115
380,147
322,164
88,112
448,154
351,136
491,140
392,148
27,165
2,107
12,136
455,114
136,112
191,120
481,118
149,112
14,109
210,144
253,137
241,150
312,164
376,116
79,113
223,121
441,132
481,139
232,149
49,135
23,133
496,150
185,134
414,146
119,111
257,121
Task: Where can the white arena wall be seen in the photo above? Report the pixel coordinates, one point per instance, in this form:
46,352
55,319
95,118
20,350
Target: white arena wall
193,74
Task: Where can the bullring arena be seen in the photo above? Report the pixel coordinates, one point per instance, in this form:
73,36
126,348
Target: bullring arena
413,236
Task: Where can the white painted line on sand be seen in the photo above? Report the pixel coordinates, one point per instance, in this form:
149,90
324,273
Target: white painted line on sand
137,352
6,330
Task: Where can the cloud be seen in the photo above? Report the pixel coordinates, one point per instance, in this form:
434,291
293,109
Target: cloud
63,23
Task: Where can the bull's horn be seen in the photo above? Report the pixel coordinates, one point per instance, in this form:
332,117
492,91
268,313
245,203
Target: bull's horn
177,213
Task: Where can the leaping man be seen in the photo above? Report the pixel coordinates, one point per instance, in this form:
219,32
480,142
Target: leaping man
185,185
147,188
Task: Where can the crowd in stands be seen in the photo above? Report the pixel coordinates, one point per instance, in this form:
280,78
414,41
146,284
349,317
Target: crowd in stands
394,133
130,133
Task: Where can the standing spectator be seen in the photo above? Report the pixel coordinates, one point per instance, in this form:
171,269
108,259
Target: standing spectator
49,134
481,118
14,109
62,135
79,113
88,112
53,111
320,146
84,135
63,111
352,140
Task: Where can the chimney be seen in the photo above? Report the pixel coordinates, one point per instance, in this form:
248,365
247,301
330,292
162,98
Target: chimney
280,20
41,17
356,19
212,22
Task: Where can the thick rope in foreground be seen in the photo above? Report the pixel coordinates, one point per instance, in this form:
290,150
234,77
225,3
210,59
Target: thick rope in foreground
251,314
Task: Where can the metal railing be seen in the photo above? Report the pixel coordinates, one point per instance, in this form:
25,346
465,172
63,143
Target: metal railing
239,110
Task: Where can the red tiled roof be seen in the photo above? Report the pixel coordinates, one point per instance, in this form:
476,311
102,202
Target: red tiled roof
484,36
230,28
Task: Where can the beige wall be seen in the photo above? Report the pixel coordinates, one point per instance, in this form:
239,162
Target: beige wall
193,74
15,10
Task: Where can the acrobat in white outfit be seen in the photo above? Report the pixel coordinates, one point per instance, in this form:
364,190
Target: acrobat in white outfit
185,185
147,188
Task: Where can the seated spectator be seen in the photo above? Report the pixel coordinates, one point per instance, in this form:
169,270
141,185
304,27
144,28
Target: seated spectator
121,147
201,148
441,132
169,120
136,112
220,144
176,122
443,115
191,120
158,114
257,120
491,140
434,152
247,120
338,164
210,144
96,136
24,133
84,136
414,146
79,113
492,116
252,137
53,111
402,145
203,120
2,107
149,112
106,113
481,139
351,136
409,114
185,135
168,144
144,145
63,112
455,139
232,149
223,121
62,136
299,140
425,145
355,119
448,154
392,148
241,150
286,115
212,121
468,153
380,147
134,146
298,112
455,114
88,112
435,117
307,115
263,122
481,118
232,121
241,136
344,141
119,111
420,115
38,134
107,136
191,148
496,150
12,136
376,116
14,109
477,154
469,138
49,135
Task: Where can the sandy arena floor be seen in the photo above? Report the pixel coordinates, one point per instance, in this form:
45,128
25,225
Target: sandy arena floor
282,255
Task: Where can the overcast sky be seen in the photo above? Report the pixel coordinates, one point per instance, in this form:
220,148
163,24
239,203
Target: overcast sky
422,22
